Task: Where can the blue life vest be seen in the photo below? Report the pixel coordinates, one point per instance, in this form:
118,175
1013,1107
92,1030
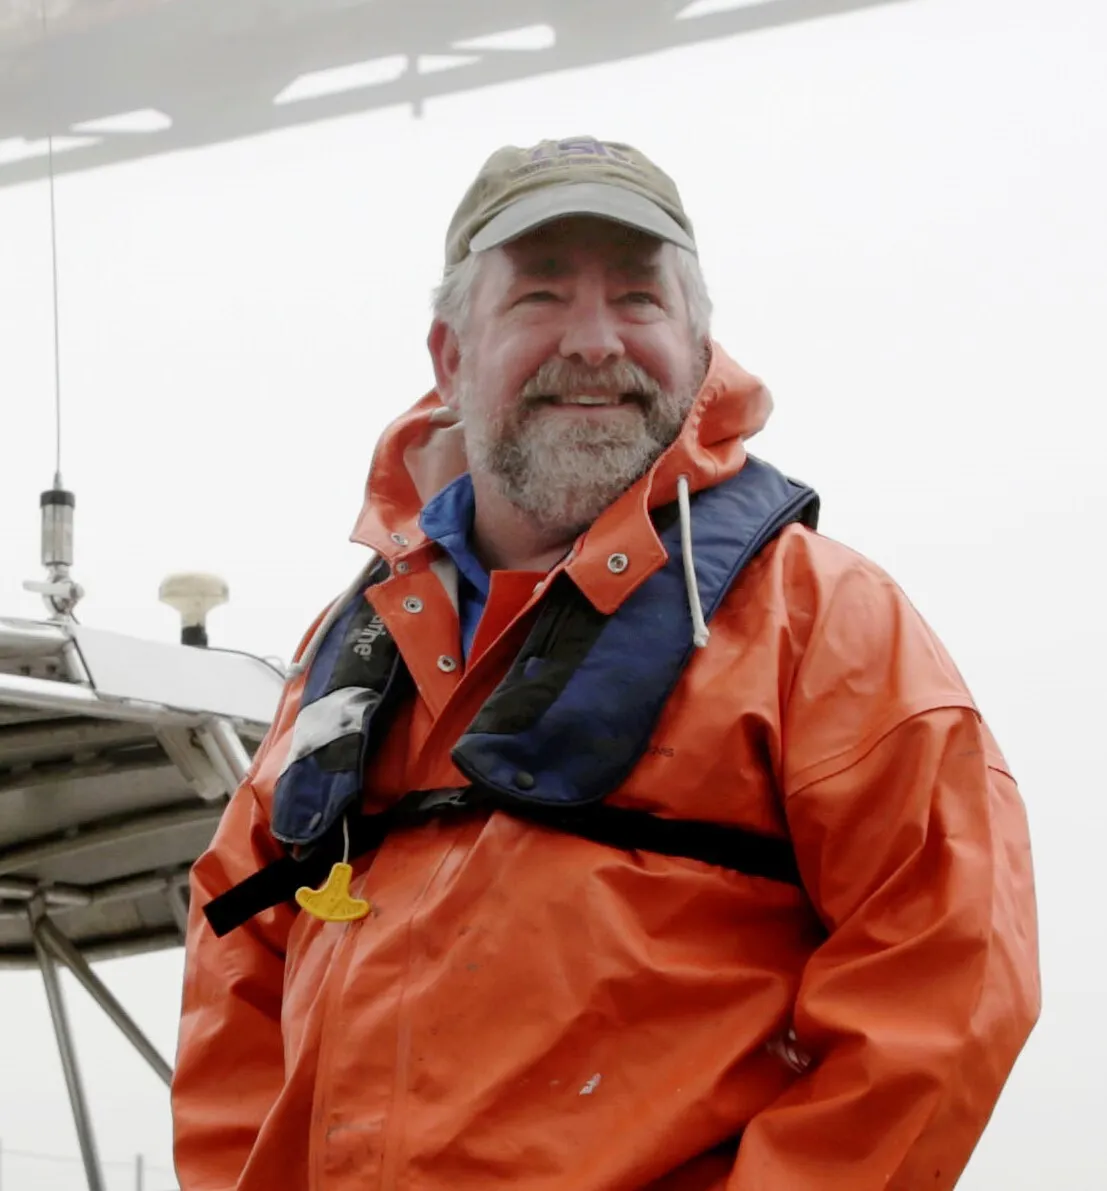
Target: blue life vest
564,728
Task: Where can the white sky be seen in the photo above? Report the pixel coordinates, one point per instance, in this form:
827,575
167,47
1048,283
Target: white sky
902,218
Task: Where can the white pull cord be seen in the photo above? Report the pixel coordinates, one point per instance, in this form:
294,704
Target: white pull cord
700,633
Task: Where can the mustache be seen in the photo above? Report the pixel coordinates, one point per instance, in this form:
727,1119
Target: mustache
559,377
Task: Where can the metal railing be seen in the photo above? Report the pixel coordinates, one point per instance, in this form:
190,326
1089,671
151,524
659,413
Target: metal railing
36,1170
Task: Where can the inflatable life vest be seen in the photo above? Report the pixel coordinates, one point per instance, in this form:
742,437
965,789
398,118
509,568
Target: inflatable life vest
564,728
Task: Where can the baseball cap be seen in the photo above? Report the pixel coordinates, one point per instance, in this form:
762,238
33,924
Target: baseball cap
520,189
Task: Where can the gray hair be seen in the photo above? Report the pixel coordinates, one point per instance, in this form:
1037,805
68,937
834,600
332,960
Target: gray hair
452,297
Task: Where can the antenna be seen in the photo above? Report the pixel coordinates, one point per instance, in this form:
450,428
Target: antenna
194,595
60,592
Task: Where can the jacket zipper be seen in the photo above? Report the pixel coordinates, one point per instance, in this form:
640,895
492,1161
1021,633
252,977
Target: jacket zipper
394,1126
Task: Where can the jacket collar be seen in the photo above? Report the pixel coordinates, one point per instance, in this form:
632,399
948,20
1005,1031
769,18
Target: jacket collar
423,450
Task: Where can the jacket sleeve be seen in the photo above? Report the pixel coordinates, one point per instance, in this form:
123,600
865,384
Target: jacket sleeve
230,1061
913,844
230,1047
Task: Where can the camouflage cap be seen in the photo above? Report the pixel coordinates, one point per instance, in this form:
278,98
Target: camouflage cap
519,189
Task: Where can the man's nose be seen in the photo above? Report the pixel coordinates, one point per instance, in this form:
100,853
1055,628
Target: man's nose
592,332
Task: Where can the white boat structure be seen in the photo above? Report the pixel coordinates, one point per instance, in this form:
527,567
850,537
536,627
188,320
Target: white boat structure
117,757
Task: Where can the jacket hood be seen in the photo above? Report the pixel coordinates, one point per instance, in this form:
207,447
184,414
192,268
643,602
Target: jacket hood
423,450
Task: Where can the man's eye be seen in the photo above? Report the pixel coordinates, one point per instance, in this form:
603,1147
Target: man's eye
640,298
539,295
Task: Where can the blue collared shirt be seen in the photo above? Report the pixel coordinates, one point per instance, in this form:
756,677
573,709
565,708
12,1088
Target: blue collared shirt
447,518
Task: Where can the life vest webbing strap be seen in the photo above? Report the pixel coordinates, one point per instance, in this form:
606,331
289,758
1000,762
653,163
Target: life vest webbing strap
723,845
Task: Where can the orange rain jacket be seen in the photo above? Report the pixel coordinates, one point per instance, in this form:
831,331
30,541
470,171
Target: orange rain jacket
525,1008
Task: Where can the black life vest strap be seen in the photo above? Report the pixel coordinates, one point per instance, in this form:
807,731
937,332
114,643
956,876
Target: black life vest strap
726,846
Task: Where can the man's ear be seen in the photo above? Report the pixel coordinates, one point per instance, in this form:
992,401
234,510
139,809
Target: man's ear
445,353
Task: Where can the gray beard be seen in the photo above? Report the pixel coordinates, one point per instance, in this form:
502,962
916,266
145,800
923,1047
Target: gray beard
562,472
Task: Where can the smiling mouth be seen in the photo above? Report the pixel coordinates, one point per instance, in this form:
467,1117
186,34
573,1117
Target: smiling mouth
591,399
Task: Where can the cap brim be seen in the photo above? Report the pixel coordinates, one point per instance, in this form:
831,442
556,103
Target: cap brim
598,199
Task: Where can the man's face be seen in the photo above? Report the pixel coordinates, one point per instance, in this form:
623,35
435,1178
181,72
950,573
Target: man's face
576,368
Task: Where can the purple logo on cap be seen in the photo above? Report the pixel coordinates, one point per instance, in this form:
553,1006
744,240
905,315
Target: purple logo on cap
580,147
560,153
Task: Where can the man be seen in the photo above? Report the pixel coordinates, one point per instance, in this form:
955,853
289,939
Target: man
616,830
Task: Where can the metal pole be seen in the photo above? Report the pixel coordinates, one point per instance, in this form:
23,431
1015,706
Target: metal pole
233,749
178,903
56,1000
48,935
140,1182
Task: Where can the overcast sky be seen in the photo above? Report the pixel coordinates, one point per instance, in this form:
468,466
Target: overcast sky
902,219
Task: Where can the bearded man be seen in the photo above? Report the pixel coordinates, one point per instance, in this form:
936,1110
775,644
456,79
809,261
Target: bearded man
617,830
